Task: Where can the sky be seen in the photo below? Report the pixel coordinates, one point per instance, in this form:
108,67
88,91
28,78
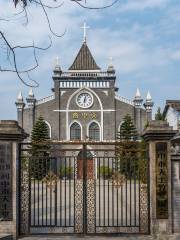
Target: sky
142,37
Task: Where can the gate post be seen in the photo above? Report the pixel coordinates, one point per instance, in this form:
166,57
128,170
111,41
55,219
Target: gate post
158,135
10,136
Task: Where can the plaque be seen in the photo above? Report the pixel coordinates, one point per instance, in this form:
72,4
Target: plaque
161,181
5,181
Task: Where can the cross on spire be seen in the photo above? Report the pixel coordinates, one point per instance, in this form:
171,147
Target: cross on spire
85,27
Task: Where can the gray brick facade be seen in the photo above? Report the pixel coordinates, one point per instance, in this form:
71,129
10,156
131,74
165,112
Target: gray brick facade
60,110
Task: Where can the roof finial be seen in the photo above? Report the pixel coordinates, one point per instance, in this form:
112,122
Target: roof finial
148,98
20,97
57,61
137,99
85,27
31,93
110,61
138,94
111,69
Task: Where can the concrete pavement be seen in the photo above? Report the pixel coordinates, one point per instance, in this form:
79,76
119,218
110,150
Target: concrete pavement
120,237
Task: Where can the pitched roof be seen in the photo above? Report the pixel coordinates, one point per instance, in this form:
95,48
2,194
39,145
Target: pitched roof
84,60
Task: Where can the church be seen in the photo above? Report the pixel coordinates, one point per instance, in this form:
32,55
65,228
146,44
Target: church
84,104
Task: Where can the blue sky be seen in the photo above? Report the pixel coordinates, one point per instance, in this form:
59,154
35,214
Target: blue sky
142,36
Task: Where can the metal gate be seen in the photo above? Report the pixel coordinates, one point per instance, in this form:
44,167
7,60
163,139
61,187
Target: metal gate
83,188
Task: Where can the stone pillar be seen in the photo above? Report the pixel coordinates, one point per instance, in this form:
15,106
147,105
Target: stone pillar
148,106
10,135
158,135
57,94
137,112
31,101
20,109
56,77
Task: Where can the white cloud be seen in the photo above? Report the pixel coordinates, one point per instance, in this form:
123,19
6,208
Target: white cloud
138,50
176,55
139,5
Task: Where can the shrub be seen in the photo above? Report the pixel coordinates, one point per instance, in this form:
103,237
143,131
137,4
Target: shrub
105,172
66,172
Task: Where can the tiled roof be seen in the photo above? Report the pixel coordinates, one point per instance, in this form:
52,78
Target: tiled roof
84,60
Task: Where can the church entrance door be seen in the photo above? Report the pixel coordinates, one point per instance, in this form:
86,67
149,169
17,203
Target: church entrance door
82,188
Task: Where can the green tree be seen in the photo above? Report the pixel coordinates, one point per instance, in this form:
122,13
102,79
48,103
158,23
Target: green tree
126,149
128,130
131,160
159,115
143,161
40,162
40,132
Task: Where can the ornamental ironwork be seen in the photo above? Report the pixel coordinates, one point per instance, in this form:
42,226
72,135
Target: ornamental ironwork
50,179
81,190
161,181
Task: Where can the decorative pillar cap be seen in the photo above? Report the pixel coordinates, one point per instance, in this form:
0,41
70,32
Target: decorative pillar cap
10,130
57,68
158,130
111,69
20,97
149,103
31,93
138,94
19,101
137,99
31,100
148,97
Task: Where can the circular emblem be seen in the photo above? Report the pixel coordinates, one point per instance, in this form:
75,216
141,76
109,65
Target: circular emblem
84,100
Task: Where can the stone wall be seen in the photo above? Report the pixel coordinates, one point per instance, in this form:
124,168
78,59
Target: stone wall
176,197
10,135
175,161
60,121
158,134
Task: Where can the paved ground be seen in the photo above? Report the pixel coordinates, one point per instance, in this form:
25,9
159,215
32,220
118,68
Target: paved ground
5,237
87,238
174,237
114,206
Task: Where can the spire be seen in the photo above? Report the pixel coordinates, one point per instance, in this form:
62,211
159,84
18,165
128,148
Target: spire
57,64
31,99
138,100
148,98
149,103
110,66
84,60
149,106
138,94
31,93
20,102
20,97
57,68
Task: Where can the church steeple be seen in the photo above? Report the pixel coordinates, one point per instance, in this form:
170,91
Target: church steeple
84,60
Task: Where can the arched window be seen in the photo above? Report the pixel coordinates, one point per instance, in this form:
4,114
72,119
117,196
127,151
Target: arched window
94,131
49,129
75,131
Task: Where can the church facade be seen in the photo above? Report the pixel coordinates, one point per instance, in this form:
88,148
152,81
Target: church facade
84,103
